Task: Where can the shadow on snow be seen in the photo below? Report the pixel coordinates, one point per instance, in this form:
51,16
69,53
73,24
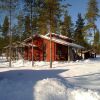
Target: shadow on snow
18,84
86,81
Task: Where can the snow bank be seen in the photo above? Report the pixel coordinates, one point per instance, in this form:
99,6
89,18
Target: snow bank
26,63
24,82
82,94
50,89
53,89
41,63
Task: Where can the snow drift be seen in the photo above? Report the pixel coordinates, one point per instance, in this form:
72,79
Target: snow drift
53,89
78,80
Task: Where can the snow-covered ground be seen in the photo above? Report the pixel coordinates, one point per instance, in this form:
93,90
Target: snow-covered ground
78,80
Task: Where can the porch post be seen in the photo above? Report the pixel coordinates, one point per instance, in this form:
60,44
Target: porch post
16,54
28,53
50,50
55,51
81,53
68,53
49,29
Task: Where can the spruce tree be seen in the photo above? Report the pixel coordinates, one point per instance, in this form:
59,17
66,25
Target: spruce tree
92,14
27,26
97,38
78,34
0,30
96,43
5,28
67,28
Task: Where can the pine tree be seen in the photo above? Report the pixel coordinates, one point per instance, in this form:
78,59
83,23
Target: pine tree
78,35
67,26
0,28
27,26
49,12
9,5
92,14
97,38
20,24
30,8
96,44
42,24
44,12
5,28
92,11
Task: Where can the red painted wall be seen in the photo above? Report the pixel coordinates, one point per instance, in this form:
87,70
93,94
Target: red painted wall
38,51
47,42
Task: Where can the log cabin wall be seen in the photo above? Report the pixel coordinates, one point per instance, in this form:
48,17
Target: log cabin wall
47,42
42,50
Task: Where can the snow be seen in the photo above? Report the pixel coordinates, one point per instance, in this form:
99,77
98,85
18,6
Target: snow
50,89
79,80
60,35
55,90
59,41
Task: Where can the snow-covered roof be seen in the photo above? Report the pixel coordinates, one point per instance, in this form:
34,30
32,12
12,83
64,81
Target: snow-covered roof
60,35
31,45
14,45
59,41
29,38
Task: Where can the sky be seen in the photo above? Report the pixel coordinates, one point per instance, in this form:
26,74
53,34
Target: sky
78,6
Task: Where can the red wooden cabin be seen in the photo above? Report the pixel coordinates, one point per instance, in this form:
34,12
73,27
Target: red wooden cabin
61,46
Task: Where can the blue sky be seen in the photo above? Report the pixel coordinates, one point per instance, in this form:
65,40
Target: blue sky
80,6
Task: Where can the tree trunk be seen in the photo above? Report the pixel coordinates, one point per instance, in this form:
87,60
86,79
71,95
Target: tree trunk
10,39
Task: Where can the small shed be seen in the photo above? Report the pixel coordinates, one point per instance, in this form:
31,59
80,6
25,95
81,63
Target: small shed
88,54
